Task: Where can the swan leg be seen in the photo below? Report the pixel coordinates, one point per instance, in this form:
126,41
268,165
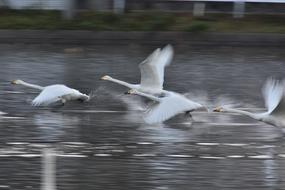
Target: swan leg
58,103
188,113
63,101
81,100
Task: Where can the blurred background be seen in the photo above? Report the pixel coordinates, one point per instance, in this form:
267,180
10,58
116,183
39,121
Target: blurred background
224,52
145,15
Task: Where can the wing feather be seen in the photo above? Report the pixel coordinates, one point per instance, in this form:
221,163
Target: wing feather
170,106
152,69
273,93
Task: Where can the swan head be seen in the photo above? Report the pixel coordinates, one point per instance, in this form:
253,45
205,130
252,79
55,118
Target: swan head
132,91
84,98
106,77
225,108
17,81
218,109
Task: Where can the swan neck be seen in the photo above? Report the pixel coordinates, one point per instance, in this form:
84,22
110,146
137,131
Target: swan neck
252,115
123,83
32,85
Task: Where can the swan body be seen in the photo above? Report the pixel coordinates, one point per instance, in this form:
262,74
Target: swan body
273,94
167,106
53,93
152,72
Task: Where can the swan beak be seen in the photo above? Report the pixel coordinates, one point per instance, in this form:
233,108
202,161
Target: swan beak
13,82
219,109
104,77
130,92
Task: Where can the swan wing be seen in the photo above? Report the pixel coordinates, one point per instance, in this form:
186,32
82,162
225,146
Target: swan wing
169,106
273,93
279,111
52,94
152,68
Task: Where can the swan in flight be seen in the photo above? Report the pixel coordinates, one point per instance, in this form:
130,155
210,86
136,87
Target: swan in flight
53,93
167,106
152,72
273,94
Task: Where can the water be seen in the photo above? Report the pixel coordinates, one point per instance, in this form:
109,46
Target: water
104,144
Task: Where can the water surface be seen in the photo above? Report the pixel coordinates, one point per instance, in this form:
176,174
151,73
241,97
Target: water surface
104,144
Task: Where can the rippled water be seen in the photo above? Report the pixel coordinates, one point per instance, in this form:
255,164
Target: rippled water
104,145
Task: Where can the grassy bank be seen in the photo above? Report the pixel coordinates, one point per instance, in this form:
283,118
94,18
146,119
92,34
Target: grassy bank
143,21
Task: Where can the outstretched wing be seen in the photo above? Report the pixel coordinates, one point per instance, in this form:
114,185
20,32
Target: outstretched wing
273,93
52,94
152,68
169,106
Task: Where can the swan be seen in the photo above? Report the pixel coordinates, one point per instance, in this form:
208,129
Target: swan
152,72
167,106
53,93
273,94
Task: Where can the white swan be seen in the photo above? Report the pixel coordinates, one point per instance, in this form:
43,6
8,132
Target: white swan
167,106
273,94
53,93
152,72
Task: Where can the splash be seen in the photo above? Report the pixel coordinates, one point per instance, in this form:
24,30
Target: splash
133,103
226,102
94,94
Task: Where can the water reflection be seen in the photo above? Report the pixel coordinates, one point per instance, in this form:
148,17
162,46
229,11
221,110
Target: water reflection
102,145
54,125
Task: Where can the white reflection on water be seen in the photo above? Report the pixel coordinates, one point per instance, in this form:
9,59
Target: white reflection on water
2,113
53,125
48,170
270,171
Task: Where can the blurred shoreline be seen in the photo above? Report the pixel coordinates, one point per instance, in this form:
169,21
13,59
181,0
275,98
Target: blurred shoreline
85,37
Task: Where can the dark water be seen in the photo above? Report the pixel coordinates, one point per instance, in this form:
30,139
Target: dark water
104,144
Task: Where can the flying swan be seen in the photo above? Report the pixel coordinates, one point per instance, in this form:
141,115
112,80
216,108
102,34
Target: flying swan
53,93
273,94
167,106
152,72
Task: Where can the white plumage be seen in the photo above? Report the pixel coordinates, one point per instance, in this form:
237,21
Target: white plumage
167,106
152,72
273,94
58,92
53,94
152,69
273,91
